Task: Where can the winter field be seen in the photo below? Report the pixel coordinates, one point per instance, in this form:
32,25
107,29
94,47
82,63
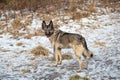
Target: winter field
18,61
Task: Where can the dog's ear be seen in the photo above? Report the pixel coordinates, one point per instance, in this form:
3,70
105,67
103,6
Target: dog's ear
51,24
43,25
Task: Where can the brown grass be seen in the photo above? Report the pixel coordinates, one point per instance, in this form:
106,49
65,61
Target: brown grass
19,44
100,43
2,26
39,50
36,33
5,50
27,22
79,15
25,71
16,24
92,8
49,12
77,77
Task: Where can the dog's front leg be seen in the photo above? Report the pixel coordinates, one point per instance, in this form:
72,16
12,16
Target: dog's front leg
56,56
59,56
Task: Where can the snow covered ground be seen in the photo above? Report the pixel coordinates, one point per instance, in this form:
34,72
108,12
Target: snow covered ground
102,34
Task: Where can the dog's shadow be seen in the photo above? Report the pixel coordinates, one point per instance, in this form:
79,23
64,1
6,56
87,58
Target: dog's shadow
68,63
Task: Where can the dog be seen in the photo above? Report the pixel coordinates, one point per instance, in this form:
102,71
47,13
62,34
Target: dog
60,40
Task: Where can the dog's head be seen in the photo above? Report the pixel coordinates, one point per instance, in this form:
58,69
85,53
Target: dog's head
48,29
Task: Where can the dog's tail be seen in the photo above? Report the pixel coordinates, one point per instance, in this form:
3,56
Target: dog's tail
90,54
87,51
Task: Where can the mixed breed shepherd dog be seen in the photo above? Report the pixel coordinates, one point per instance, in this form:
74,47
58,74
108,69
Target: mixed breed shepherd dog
60,40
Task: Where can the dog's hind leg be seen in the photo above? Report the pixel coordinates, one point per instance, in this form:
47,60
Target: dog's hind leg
86,59
87,62
80,63
78,52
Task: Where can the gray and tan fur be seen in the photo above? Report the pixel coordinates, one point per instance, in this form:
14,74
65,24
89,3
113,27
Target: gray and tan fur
60,40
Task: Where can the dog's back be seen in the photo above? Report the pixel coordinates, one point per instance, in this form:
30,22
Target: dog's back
68,39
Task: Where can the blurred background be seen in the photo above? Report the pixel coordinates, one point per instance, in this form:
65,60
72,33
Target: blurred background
77,8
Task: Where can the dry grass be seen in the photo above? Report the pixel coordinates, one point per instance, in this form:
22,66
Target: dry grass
25,71
84,8
9,64
1,26
17,25
27,22
32,58
36,33
77,77
19,44
39,50
100,43
92,8
76,8
4,50
79,15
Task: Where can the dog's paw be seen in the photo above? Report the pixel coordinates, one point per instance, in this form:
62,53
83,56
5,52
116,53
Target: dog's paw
59,62
79,70
55,65
86,68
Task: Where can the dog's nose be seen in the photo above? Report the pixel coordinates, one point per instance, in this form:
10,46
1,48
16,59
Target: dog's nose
47,33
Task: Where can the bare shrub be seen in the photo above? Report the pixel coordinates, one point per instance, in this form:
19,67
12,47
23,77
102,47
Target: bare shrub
4,50
77,77
25,71
79,9
19,44
36,33
39,50
92,8
16,24
1,28
79,15
100,43
27,22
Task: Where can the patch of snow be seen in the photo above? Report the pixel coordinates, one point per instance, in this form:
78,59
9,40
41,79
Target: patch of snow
16,62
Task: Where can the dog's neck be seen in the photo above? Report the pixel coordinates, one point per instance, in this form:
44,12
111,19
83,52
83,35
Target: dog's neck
53,36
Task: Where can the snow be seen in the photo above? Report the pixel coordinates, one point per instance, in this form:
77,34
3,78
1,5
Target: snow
36,25
16,62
